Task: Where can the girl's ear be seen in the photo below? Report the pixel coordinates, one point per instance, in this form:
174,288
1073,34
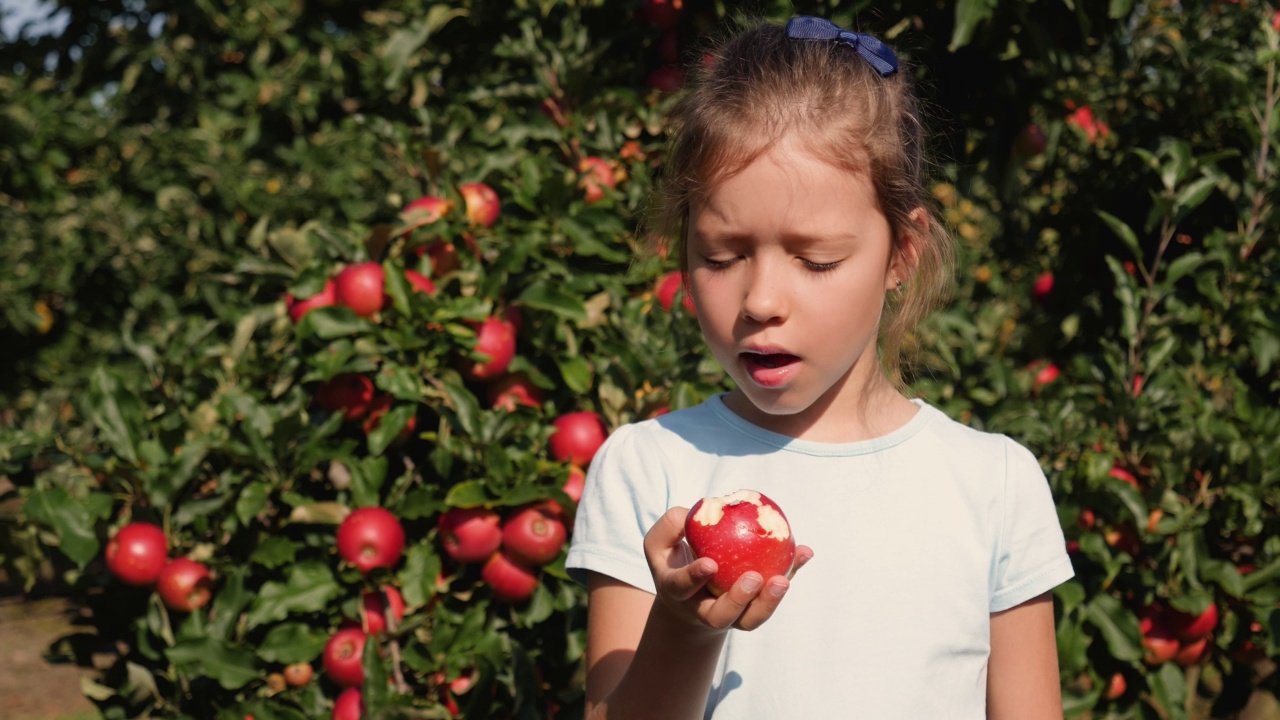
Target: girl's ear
906,250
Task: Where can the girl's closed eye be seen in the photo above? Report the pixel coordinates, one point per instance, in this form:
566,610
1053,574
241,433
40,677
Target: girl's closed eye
820,267
717,263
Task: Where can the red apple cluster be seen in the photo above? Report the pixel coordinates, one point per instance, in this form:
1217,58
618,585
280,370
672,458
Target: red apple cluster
354,397
510,549
1172,635
138,555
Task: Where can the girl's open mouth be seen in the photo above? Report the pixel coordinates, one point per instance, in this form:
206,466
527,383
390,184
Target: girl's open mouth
769,369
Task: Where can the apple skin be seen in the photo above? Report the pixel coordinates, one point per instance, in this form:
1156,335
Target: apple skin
1192,652
666,289
348,393
298,674
136,555
299,308
371,537
511,391
349,705
185,585
496,339
481,202
512,581
574,484
533,534
361,287
1120,473
470,534
1046,374
424,211
419,282
751,533
577,437
376,603
1193,627
1158,639
1116,686
596,176
344,657
1042,287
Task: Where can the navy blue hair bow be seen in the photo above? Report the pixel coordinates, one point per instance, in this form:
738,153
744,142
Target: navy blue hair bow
878,55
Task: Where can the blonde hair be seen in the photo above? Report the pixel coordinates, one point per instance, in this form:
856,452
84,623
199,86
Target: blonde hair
762,86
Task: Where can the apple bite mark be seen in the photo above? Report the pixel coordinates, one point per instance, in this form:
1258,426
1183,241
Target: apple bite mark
743,531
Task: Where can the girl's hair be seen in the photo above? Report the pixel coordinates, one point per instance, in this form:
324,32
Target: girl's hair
761,87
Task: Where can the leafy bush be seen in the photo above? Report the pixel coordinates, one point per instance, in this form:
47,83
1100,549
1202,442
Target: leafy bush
173,171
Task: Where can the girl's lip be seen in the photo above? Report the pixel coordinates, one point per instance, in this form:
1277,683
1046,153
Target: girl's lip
769,369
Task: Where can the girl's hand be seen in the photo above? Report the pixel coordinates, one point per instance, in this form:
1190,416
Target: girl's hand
681,581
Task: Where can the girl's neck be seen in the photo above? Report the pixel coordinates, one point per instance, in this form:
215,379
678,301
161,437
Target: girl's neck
877,411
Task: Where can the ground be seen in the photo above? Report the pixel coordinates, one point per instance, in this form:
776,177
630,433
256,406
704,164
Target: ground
32,687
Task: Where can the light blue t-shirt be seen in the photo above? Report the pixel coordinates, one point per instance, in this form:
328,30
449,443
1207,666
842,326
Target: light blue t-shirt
918,536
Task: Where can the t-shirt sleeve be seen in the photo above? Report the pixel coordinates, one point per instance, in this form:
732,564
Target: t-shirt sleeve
1032,556
624,495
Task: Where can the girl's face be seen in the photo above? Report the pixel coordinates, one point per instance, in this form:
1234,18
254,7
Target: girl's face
789,263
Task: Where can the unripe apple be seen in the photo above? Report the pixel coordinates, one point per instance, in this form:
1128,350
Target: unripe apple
371,537
495,339
361,287
298,674
577,437
481,202
470,534
742,531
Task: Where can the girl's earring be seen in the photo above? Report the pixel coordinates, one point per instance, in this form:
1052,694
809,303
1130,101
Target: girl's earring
899,281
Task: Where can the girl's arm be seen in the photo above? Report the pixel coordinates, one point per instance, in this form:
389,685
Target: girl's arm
655,656
1022,672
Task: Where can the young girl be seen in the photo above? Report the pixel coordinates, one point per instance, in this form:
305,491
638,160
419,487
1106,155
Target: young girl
794,196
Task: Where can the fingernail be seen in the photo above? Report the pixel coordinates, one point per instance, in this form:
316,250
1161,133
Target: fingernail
777,589
751,583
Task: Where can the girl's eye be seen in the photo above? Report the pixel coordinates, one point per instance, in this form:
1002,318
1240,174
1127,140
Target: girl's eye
717,264
820,267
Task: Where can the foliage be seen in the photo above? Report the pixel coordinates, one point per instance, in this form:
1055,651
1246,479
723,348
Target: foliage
172,170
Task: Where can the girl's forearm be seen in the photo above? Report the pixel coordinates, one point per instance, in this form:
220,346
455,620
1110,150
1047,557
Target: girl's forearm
669,677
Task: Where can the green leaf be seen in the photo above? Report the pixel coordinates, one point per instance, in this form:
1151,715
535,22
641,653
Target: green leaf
274,551
1192,195
969,14
116,413
309,588
232,667
292,643
1118,9
389,427
418,577
576,372
69,518
404,43
468,494
1122,231
231,600
1169,686
1186,264
1118,626
544,296
332,322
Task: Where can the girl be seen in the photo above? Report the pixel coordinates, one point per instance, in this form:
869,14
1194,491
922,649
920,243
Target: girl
794,197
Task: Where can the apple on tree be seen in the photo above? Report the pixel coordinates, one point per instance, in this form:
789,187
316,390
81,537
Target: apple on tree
299,308
361,287
666,289
375,604
137,554
419,282
424,211
470,534
512,581
185,585
346,393
742,531
298,674
515,389
577,437
344,657
496,340
371,537
534,534
481,202
596,176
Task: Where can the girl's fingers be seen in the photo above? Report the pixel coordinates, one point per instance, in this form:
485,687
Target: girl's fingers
804,554
685,582
764,605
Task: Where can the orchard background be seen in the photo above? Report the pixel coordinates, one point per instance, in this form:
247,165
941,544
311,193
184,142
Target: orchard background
177,178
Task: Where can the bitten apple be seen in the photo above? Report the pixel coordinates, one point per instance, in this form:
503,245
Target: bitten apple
741,531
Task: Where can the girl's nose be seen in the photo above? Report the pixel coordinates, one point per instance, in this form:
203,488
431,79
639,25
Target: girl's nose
764,296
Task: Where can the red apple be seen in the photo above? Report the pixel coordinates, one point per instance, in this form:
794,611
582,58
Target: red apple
349,705
577,437
1047,373
371,537
1120,473
495,339
1030,142
344,657
1042,286
667,287
136,555
379,407
1159,641
574,484
662,13
1192,652
533,535
482,203
742,531
361,287
184,585
511,580
1192,627
298,674
470,534
1116,686
299,308
424,211
510,391
375,606
597,175
419,282
349,393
